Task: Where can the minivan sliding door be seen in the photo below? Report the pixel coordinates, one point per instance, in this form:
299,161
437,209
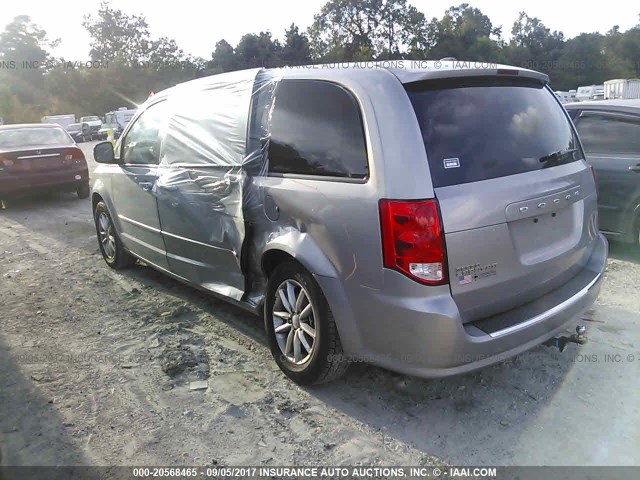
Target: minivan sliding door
200,187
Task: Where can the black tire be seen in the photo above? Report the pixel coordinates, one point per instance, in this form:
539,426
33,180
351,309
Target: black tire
83,191
120,258
327,361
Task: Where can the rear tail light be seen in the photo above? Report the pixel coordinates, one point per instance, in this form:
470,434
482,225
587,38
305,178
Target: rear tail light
412,239
75,155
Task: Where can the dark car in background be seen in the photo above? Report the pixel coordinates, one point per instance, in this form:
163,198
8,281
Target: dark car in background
40,157
80,132
610,134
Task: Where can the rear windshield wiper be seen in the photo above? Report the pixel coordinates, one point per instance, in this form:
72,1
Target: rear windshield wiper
559,157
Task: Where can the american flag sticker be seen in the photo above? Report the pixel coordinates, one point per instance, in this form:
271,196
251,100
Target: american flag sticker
464,279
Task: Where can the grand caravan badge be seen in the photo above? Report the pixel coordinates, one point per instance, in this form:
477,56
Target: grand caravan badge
471,273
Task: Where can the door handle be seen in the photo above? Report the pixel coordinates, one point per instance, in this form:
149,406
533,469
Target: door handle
146,186
635,168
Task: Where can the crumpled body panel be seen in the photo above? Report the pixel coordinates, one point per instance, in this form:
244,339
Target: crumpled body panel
205,156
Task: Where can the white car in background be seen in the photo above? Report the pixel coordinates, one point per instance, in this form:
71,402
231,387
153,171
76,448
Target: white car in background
95,124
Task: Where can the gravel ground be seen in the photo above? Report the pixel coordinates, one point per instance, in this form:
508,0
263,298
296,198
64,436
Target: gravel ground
96,368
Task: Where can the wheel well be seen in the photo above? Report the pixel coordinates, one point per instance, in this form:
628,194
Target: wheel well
95,198
273,258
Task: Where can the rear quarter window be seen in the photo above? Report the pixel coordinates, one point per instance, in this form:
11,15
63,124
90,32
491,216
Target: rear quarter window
316,129
481,128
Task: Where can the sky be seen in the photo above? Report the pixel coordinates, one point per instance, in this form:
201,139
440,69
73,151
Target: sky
198,25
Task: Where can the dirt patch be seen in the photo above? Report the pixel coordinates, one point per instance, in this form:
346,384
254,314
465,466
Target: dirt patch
98,368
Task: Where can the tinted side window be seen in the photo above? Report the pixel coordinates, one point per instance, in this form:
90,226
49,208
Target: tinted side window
609,134
143,140
316,129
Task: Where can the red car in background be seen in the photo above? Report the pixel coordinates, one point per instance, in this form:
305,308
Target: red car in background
40,157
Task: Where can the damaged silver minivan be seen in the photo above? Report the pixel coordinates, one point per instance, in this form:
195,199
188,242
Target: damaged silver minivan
430,221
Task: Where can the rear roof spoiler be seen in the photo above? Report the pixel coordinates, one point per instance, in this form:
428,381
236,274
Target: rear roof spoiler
432,70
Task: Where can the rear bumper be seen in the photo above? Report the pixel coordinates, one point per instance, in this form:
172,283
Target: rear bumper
35,182
404,331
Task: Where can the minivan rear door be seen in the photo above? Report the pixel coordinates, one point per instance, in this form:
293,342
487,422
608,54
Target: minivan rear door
516,197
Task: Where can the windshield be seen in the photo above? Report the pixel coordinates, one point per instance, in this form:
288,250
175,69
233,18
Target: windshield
90,119
482,128
27,137
74,127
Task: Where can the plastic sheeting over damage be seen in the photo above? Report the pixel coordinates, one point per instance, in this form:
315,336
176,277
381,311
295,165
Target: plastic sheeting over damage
206,156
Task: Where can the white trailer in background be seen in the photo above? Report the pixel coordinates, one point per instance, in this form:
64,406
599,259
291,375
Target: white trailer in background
625,88
115,122
63,120
588,92
566,97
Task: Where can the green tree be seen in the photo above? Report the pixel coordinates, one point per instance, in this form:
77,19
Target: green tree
530,33
117,36
364,29
464,32
533,45
223,58
622,51
24,53
295,50
137,64
164,53
258,51
11,109
581,62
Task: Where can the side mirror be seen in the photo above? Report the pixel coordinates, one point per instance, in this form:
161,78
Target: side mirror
103,153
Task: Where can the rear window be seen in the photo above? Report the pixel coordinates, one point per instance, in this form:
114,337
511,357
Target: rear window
481,128
26,137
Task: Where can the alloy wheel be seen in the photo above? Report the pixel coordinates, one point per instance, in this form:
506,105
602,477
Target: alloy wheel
294,322
107,237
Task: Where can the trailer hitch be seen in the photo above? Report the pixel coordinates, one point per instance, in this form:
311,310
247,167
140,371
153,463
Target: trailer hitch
580,337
